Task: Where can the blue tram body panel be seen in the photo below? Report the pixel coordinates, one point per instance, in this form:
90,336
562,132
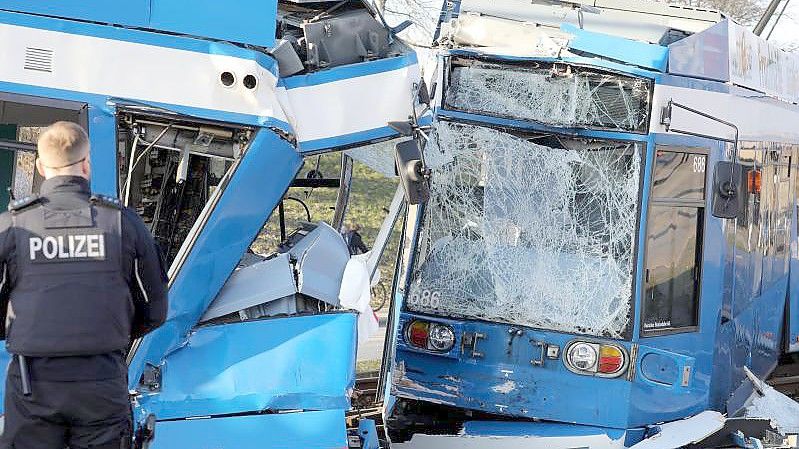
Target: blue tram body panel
293,363
242,21
300,429
254,189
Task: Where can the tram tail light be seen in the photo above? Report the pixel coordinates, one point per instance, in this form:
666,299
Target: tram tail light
418,334
595,359
611,359
430,336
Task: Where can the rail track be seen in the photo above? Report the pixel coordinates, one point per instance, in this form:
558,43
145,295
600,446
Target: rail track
785,379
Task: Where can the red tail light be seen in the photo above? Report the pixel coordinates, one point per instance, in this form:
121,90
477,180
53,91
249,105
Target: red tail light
419,334
611,359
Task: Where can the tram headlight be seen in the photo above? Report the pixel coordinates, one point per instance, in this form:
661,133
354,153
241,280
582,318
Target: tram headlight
430,336
598,359
582,357
442,338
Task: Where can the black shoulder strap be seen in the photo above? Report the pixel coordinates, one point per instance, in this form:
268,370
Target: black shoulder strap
105,200
19,205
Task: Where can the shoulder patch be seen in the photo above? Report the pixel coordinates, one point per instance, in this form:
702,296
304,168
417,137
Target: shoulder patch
107,201
23,203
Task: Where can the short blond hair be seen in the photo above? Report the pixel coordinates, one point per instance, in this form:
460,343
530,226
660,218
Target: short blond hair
63,144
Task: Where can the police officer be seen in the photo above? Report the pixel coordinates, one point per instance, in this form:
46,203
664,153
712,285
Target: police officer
80,276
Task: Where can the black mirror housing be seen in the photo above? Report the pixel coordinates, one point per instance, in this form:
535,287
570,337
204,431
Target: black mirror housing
423,94
728,190
408,160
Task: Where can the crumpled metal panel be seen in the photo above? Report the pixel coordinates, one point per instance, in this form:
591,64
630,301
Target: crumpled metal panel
256,186
322,257
295,363
306,430
260,283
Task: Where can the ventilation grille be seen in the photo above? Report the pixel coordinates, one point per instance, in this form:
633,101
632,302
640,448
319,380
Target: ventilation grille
39,59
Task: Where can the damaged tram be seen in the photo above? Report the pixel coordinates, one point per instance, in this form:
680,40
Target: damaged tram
201,119
606,232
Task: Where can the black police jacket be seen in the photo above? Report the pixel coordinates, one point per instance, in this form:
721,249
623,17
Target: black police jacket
79,273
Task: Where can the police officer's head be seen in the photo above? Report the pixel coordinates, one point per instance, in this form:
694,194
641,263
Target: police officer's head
63,151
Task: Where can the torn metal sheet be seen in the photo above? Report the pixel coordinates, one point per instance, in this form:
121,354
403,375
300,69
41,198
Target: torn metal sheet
322,257
296,363
770,404
315,268
683,432
253,190
259,283
565,96
527,234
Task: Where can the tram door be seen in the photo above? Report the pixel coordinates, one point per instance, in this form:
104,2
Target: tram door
674,241
22,118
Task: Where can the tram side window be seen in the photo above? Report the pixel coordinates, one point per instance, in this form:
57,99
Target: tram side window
674,241
22,119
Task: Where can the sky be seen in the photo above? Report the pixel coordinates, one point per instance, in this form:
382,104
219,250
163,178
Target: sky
787,30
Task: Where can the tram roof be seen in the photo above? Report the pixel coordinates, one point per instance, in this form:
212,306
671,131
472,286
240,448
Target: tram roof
251,22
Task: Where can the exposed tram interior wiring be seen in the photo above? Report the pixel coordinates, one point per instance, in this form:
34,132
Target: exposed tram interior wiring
169,171
529,230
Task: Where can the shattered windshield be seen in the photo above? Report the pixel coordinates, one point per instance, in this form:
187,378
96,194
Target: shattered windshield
529,230
561,95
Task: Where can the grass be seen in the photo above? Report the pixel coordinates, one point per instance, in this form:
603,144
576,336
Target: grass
367,366
369,200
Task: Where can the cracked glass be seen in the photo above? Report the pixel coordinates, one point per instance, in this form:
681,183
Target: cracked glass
531,230
562,95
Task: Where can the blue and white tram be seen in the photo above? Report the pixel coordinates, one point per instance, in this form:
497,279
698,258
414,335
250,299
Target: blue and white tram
199,118
610,237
